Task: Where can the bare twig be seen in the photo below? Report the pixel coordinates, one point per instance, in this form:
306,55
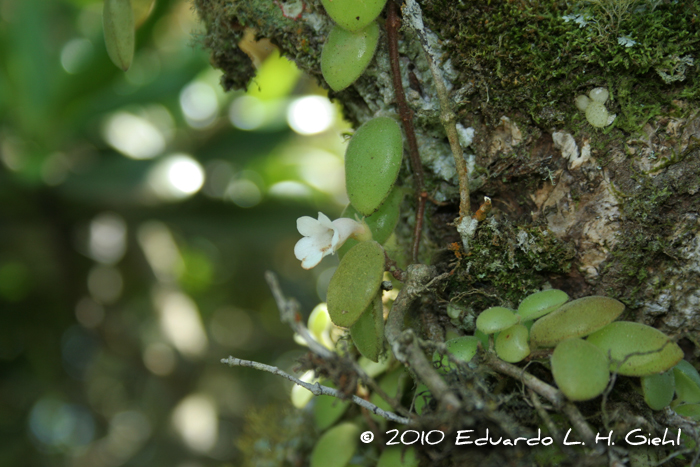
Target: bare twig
289,313
550,393
316,389
414,15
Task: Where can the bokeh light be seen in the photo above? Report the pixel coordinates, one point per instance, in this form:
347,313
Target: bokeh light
176,177
309,115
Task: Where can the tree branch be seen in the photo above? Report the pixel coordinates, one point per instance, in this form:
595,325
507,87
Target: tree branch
404,344
316,389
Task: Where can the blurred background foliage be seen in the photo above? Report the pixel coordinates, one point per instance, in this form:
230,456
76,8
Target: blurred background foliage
138,212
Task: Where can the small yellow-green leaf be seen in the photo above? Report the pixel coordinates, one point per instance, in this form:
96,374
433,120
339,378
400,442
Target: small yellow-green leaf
540,303
353,15
390,385
318,320
644,350
381,223
346,54
372,163
355,283
580,369
462,348
574,319
328,409
658,389
119,31
496,319
483,338
511,344
142,10
689,410
368,332
396,456
687,383
336,447
422,398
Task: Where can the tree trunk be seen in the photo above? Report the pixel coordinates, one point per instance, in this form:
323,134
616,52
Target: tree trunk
593,210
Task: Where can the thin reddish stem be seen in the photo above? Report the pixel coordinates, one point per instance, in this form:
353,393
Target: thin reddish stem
392,28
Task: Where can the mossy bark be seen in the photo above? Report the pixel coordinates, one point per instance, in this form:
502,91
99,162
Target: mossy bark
609,211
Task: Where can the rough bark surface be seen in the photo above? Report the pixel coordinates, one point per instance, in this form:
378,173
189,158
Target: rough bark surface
593,211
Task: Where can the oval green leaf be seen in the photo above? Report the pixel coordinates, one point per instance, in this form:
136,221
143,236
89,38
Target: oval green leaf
462,348
575,319
351,14
368,332
119,31
511,344
689,410
496,319
622,341
328,409
541,303
687,383
372,163
336,447
396,456
658,389
422,398
346,54
381,223
580,369
355,283
390,385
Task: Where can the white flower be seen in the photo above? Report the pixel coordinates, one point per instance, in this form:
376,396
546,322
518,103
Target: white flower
323,237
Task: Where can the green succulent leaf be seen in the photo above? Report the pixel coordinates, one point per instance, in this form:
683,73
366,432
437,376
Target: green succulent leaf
346,54
689,410
351,14
119,31
687,383
658,389
462,348
381,223
368,332
541,303
575,319
336,447
328,409
396,456
372,163
496,319
422,398
636,349
580,369
390,385
511,344
355,283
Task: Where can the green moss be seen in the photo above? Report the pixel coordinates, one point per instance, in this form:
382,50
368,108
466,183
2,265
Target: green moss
511,262
227,21
526,56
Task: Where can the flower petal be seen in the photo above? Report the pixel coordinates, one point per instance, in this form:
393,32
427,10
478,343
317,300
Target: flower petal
305,247
308,226
343,228
312,260
324,220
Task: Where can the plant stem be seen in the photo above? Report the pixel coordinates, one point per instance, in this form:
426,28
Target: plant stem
414,15
316,389
392,27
